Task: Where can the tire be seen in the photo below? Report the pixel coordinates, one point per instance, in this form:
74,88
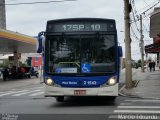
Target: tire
112,98
37,75
4,79
29,76
60,99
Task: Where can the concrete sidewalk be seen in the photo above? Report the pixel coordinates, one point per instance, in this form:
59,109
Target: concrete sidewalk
136,75
148,85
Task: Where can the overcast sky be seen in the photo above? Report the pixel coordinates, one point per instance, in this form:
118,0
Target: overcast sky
31,19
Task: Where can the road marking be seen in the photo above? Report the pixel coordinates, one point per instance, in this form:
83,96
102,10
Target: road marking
25,93
14,89
156,93
143,100
7,91
35,94
12,92
39,87
35,88
139,107
113,116
137,111
125,103
138,92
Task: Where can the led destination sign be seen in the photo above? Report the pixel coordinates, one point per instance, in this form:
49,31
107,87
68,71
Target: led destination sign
75,27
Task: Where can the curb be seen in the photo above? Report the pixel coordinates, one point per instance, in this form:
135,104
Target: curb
122,93
136,83
123,89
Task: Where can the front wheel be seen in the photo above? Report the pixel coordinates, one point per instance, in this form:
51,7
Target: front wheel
4,78
60,99
29,76
37,75
112,98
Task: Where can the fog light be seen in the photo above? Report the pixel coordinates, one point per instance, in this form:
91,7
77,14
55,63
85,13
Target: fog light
112,81
49,81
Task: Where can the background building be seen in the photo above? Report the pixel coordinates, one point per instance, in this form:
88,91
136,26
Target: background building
37,62
155,34
155,23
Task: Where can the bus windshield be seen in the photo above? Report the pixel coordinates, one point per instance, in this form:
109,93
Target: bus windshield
80,54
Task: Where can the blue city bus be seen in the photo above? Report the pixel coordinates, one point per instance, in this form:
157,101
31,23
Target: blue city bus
81,57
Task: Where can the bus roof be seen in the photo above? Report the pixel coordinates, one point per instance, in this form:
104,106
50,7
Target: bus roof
81,20
74,25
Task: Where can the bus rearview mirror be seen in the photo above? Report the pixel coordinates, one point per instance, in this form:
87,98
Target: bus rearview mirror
120,51
40,42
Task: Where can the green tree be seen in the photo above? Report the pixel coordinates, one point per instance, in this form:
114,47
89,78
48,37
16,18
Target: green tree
138,64
139,61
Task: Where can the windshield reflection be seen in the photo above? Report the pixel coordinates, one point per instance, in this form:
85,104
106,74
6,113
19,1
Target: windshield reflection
83,54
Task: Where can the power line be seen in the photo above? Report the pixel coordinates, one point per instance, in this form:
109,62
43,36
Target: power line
147,6
145,28
133,14
143,19
146,11
146,3
134,34
29,3
151,7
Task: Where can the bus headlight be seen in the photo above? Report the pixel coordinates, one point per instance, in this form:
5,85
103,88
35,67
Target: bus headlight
49,81
112,81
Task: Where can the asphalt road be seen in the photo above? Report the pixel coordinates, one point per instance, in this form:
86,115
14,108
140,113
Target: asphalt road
26,102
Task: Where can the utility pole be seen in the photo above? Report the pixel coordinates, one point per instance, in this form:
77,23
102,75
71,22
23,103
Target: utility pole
141,45
2,15
128,72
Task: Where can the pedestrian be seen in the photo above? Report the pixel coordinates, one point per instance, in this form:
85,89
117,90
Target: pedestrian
153,65
150,66
5,74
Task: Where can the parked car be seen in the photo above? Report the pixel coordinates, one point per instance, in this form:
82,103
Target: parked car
29,71
6,74
1,72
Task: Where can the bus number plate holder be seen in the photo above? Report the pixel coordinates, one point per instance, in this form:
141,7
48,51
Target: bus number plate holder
79,92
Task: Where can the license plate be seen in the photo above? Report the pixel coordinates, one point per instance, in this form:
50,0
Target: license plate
79,92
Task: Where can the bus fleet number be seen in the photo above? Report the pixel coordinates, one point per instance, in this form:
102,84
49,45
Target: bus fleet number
90,82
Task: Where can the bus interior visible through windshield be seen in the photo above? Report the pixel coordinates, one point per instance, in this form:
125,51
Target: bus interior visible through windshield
81,54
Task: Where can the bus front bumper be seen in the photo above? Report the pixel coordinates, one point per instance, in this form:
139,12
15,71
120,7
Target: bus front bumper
51,91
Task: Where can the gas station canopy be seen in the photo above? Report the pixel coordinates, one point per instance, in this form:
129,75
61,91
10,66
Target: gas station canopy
11,42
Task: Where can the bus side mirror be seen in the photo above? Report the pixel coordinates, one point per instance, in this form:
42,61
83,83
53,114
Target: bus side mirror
120,51
40,42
